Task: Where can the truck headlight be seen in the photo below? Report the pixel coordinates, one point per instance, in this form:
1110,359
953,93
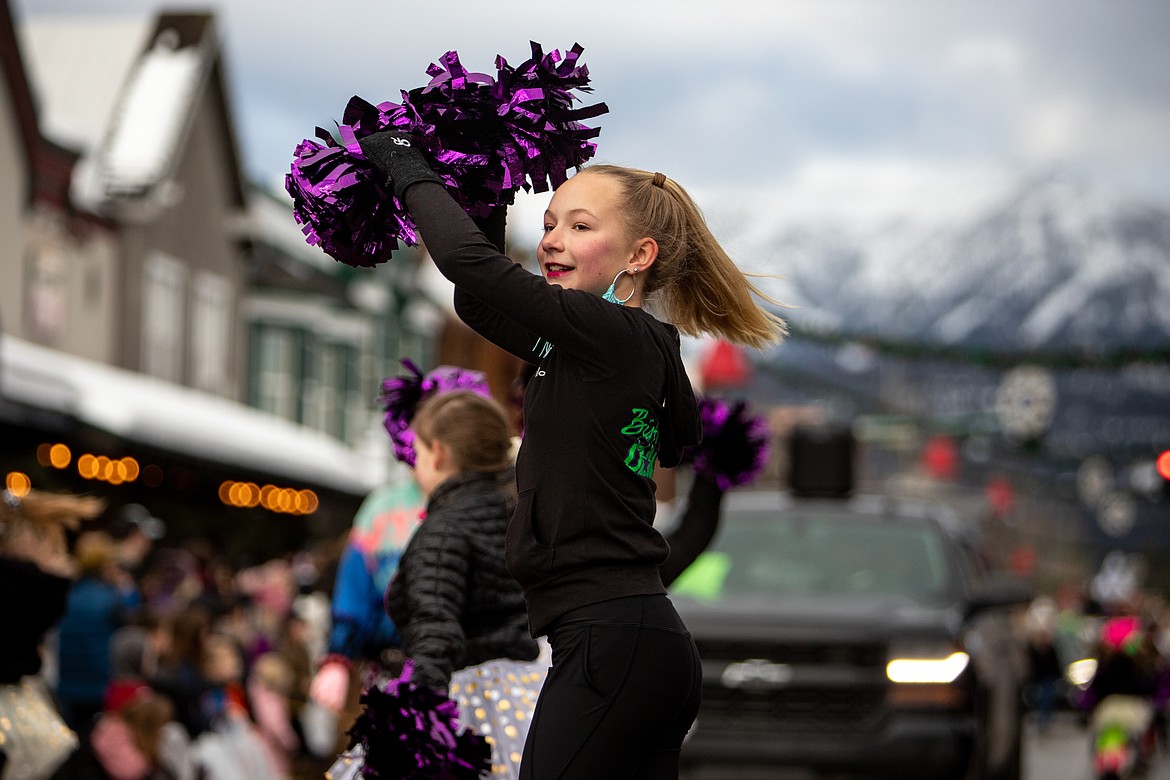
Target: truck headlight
916,669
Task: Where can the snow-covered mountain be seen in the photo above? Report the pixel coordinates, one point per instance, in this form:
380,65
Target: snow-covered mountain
1056,265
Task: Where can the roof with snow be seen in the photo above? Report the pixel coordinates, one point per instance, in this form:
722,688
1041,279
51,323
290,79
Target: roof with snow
122,91
77,65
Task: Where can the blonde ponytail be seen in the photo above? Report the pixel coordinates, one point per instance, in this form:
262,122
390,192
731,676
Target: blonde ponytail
694,283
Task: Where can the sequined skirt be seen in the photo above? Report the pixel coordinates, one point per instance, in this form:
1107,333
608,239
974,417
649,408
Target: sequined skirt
496,700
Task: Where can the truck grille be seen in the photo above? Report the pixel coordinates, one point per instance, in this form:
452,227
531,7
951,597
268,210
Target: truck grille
836,687
793,711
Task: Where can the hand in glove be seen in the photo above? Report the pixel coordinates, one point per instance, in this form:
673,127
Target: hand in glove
395,154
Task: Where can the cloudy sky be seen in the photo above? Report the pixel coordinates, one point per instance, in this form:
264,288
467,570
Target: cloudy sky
792,109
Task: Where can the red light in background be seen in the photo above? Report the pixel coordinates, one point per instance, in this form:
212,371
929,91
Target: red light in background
1164,465
940,457
1001,494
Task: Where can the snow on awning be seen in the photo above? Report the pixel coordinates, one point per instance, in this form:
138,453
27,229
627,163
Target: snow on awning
177,419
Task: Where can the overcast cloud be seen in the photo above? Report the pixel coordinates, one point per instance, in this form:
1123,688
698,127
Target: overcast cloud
792,109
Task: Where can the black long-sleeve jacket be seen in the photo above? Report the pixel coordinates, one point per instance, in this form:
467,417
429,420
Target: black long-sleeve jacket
452,596
696,528
610,397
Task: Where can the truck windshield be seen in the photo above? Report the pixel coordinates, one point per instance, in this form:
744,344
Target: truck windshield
790,553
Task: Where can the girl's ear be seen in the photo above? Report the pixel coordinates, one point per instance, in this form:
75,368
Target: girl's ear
645,253
442,455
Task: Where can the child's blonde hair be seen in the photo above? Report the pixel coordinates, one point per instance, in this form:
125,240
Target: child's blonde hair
39,519
694,283
474,427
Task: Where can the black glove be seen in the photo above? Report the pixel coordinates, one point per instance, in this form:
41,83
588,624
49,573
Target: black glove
393,152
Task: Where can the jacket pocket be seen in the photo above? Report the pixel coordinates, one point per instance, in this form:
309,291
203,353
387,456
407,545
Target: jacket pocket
529,546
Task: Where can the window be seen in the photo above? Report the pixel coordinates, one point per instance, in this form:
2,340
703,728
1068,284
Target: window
211,333
277,362
329,389
163,288
45,295
321,389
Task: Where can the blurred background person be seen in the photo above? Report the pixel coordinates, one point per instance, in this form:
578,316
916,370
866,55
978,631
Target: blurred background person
1045,673
35,576
231,747
180,669
269,685
135,735
101,601
364,644
136,532
137,738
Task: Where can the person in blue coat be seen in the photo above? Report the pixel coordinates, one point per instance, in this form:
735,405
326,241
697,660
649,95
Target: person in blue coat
101,601
362,636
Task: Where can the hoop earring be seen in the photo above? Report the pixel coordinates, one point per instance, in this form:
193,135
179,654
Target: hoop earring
609,294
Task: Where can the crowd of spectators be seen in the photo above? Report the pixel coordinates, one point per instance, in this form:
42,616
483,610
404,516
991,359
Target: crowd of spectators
176,663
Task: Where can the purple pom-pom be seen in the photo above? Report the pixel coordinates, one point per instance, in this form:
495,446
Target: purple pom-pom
486,138
543,133
411,732
735,444
325,182
401,396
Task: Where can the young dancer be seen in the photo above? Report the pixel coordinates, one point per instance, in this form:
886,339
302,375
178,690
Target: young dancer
461,613
363,631
609,399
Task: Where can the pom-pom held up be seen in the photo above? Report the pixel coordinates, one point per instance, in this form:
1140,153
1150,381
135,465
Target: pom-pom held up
735,444
486,137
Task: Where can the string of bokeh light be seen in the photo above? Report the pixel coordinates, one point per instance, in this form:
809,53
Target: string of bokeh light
286,500
115,471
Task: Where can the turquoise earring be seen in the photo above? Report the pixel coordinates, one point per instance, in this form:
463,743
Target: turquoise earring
611,296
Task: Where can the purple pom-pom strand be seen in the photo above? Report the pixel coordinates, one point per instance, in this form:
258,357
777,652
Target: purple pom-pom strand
486,139
735,444
411,732
401,396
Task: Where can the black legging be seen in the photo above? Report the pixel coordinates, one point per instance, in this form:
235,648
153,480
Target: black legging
623,690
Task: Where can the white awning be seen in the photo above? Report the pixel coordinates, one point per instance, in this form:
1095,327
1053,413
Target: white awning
171,418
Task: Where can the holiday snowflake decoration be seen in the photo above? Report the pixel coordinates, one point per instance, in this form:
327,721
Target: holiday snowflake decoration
401,395
411,732
1025,402
734,448
485,137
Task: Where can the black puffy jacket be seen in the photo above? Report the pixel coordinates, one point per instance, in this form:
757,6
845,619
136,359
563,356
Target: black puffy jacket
452,596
